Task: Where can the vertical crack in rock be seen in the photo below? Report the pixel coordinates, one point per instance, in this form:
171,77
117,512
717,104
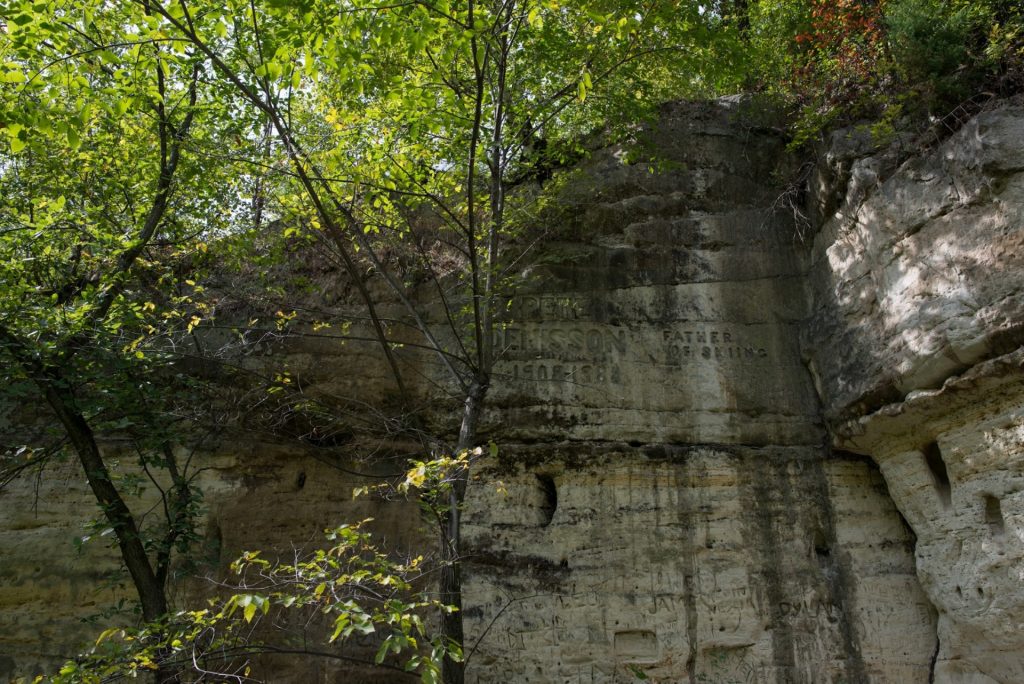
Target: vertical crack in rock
835,566
691,623
689,510
940,475
762,482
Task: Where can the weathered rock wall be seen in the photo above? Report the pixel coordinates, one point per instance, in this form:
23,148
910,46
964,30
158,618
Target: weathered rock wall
726,454
672,314
915,275
56,596
694,564
681,516
918,278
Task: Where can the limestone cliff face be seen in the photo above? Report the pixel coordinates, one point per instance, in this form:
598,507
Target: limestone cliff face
727,453
918,277
684,515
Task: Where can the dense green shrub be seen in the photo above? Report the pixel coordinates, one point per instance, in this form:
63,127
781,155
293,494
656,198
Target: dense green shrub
938,47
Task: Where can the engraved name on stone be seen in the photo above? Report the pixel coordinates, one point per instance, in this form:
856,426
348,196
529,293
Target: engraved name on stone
568,343
548,338
708,344
807,608
563,353
545,308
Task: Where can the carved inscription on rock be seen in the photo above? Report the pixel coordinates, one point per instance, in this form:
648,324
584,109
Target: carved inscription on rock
563,353
616,366
691,344
551,339
547,307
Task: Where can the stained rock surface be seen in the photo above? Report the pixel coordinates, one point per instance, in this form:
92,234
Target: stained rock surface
733,448
682,515
918,275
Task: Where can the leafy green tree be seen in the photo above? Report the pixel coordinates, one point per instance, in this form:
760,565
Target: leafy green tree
407,125
103,204
405,137
353,585
842,62
946,51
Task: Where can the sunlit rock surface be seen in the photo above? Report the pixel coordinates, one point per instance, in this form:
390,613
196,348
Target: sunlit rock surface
921,280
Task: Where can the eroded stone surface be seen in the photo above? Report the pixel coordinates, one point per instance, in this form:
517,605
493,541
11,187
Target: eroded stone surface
260,495
954,463
918,278
704,564
674,366
673,315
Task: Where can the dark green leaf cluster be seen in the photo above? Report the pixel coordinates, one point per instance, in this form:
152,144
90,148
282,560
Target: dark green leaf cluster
359,590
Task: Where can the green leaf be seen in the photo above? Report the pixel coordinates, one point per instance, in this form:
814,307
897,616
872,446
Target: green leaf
249,612
382,651
106,634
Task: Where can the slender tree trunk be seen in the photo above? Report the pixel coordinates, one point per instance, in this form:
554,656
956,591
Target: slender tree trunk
148,585
151,592
742,17
453,672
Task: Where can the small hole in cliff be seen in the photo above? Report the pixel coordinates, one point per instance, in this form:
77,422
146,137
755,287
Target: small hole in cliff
940,476
327,440
994,515
300,481
564,563
821,547
959,591
549,504
981,592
